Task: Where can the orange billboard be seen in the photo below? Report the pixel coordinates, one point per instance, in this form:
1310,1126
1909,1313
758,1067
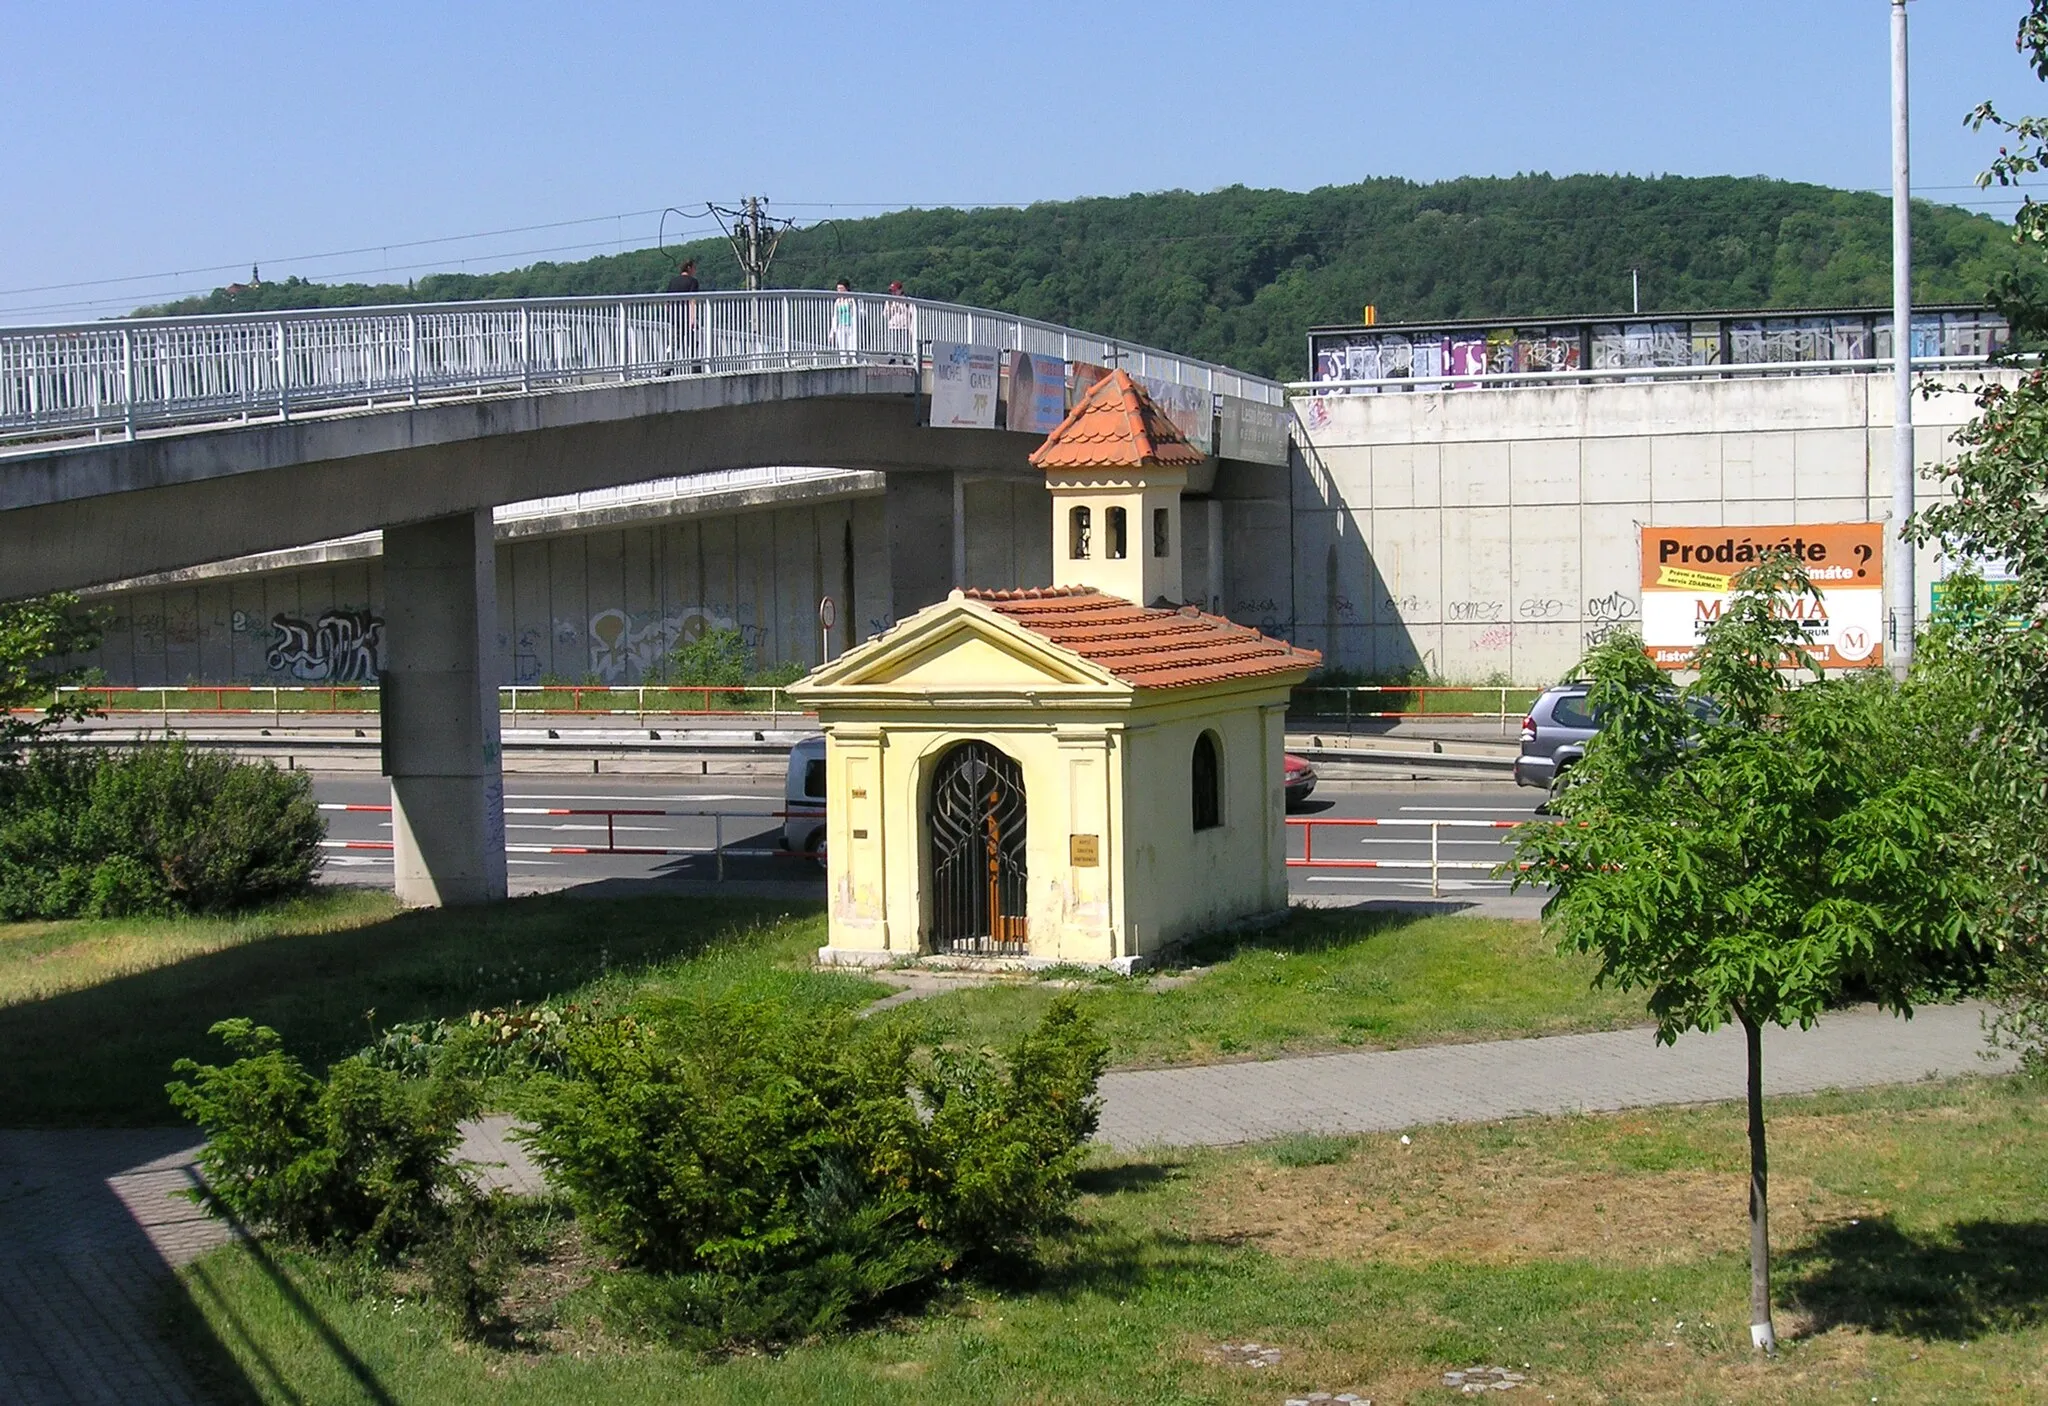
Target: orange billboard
1689,572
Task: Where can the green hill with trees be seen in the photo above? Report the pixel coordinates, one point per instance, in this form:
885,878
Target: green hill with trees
1239,275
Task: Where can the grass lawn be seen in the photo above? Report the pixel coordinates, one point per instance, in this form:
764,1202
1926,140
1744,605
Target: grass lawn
1604,1257
1325,979
43,959
93,1014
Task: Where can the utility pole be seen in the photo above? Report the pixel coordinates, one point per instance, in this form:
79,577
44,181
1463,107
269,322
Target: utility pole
1635,290
1899,582
753,236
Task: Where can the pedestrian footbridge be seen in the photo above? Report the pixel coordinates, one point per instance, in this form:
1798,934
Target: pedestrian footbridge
150,445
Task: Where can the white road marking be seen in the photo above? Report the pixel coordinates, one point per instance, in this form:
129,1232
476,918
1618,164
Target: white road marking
583,798
357,861
1424,841
600,829
1463,810
1409,883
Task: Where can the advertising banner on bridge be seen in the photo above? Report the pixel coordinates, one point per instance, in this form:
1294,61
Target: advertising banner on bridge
1191,408
1688,573
964,386
1038,392
1252,431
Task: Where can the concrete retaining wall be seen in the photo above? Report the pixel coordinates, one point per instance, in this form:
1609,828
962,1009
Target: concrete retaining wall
1495,534
600,606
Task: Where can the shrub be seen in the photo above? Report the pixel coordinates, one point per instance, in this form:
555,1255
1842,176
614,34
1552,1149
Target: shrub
723,659
773,1170
358,1162
158,829
716,658
502,1040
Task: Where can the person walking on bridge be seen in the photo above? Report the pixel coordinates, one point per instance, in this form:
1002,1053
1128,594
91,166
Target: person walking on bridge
845,328
685,281
897,314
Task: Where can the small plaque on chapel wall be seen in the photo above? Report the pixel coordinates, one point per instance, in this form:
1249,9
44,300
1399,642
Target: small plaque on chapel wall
1085,850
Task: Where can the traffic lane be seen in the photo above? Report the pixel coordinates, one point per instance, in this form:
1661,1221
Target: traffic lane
751,823
1473,835
542,848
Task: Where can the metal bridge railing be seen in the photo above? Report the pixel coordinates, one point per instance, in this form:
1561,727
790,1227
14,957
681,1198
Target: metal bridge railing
1704,371
121,377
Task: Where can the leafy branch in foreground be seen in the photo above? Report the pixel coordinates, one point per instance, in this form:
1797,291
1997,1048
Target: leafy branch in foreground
37,636
1750,852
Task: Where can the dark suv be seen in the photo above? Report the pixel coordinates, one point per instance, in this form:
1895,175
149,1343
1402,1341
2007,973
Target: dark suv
1554,735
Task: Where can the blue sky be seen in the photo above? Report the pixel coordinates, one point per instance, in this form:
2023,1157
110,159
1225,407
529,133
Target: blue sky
171,145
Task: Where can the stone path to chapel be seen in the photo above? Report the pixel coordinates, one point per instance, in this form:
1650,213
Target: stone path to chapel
91,1224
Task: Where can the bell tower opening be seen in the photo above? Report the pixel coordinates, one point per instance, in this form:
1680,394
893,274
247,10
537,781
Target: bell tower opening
1116,467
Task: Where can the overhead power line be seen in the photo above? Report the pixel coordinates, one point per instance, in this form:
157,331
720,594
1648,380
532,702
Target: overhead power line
330,254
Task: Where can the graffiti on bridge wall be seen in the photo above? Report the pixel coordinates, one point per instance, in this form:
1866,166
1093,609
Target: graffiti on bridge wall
341,646
626,646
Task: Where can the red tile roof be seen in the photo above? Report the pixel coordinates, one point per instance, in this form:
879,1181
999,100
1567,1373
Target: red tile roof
1115,425
1147,648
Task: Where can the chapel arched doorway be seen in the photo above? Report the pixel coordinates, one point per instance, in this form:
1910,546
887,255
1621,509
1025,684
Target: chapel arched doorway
976,849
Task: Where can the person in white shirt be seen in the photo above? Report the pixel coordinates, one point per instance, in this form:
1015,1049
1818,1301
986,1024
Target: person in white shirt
845,328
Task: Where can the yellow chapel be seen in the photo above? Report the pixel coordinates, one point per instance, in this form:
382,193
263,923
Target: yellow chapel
1085,773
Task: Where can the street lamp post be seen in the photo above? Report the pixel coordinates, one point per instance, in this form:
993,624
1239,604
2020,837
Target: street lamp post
1899,578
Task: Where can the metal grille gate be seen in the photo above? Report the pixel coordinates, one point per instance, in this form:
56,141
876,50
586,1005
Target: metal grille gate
977,853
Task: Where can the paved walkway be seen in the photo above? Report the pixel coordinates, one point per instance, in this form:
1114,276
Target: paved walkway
90,1223
1379,1092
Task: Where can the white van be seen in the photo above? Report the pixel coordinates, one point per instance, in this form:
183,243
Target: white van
803,798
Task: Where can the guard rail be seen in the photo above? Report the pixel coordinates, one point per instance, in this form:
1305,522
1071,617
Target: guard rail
1435,864
718,851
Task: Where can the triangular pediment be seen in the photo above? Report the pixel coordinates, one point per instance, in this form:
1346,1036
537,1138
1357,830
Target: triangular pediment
956,647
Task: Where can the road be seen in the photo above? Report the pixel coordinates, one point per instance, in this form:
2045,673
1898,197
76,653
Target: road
1470,833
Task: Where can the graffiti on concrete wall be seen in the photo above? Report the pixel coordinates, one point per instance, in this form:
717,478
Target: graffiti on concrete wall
526,665
341,646
626,646
1607,614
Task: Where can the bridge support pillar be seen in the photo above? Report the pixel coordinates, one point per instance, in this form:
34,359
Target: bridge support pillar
440,711
926,539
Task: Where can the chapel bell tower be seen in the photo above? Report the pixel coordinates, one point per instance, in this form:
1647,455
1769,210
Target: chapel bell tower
1116,467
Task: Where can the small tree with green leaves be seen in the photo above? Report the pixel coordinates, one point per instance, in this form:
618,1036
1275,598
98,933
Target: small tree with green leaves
37,637
1750,852
1985,650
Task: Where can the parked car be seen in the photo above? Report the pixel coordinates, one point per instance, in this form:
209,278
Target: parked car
1554,735
1300,780
1561,722
803,799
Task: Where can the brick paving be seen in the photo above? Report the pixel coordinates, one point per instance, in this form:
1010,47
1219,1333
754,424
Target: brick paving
89,1229
91,1226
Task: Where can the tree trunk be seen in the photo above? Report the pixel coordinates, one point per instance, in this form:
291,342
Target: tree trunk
1761,1332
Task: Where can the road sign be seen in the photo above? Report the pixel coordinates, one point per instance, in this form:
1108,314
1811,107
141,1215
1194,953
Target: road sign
827,613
